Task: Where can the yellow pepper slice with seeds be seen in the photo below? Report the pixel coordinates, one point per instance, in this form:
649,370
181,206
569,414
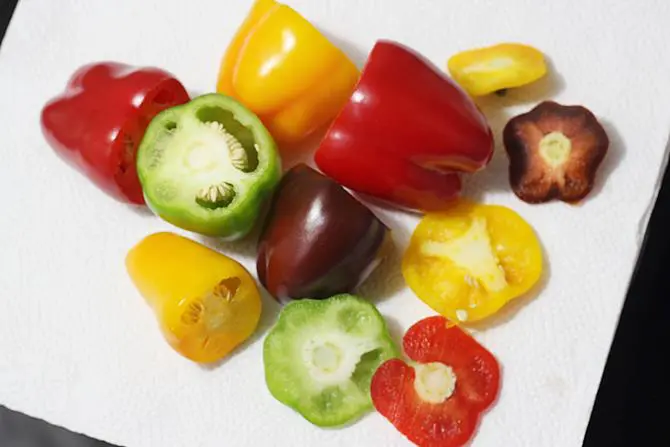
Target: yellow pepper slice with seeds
468,262
206,303
496,68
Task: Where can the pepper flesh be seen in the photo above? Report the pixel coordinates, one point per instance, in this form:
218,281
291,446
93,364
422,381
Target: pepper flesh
437,401
555,152
467,263
206,303
97,123
317,240
282,68
208,166
496,68
406,133
320,356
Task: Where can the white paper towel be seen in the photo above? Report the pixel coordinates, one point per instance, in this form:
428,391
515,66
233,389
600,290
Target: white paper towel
81,349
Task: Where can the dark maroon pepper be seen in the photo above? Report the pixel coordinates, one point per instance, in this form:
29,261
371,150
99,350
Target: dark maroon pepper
318,240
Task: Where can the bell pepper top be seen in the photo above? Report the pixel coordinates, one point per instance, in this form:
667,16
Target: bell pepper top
208,166
286,71
317,239
555,152
406,133
438,398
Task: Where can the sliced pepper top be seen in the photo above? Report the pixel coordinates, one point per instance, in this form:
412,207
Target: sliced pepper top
207,166
436,400
555,152
320,356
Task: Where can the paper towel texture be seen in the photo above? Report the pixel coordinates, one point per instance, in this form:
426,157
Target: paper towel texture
81,349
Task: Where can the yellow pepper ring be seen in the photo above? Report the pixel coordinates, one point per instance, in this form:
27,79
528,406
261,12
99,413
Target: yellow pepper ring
496,68
470,261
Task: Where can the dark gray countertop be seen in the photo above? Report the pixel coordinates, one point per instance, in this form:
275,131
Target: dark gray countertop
18,430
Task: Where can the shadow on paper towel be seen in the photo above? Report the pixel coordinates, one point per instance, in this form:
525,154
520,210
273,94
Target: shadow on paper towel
386,280
615,155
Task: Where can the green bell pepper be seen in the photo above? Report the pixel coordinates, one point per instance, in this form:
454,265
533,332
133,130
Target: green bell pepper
208,166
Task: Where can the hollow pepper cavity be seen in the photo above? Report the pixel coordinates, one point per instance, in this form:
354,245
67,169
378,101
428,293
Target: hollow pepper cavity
437,400
406,133
282,68
317,239
208,166
470,261
96,124
206,303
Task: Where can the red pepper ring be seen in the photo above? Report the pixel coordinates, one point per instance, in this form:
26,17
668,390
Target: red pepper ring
98,122
438,400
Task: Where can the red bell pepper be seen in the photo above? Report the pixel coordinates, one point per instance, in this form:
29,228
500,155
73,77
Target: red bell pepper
98,122
438,400
405,133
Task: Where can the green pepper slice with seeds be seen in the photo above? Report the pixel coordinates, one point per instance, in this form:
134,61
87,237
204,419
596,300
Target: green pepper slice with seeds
208,166
320,356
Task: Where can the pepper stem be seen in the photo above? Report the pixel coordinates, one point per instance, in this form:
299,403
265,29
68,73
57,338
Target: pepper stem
434,382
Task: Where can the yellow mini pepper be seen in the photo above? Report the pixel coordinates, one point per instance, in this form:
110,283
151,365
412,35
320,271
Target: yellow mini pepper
282,68
206,303
507,65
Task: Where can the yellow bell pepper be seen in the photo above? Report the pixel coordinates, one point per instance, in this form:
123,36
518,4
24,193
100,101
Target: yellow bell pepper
282,68
468,262
206,303
486,70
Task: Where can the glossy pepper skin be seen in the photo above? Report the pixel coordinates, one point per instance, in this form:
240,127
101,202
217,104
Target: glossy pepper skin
97,123
318,240
206,303
208,166
282,68
405,133
438,401
496,68
470,261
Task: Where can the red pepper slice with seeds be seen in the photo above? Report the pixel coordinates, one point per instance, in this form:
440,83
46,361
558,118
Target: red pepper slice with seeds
97,123
437,399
